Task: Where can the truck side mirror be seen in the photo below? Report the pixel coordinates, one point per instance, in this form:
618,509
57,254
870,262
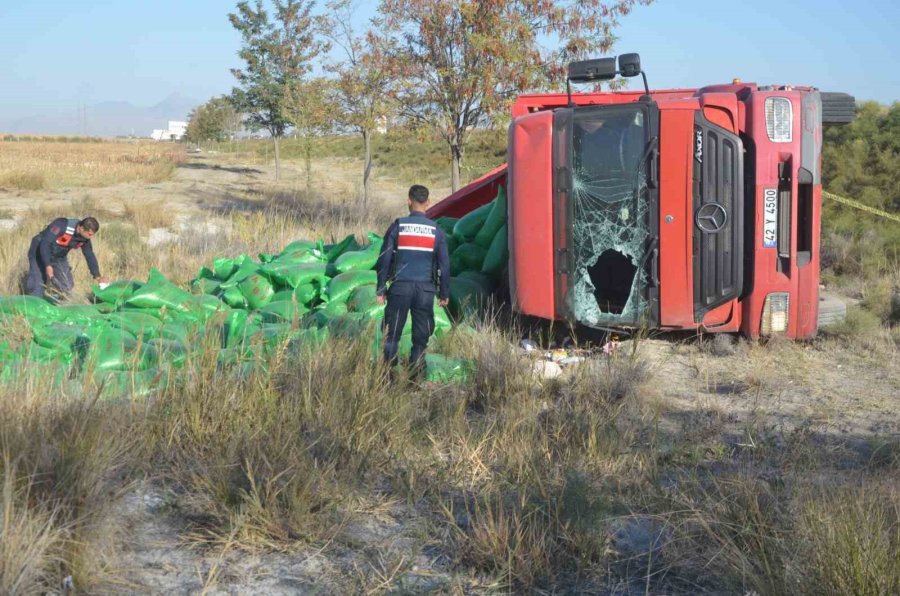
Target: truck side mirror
598,69
629,65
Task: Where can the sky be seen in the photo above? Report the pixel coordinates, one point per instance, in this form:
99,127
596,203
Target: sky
58,54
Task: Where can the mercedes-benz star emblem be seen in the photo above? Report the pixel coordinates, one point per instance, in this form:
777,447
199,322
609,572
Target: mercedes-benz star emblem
711,217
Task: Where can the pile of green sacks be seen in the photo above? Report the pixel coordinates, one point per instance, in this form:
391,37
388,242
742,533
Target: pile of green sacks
479,253
136,335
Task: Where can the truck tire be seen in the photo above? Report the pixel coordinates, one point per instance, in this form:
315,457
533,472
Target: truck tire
832,310
838,108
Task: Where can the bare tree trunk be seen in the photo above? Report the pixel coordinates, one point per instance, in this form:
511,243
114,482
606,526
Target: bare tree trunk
456,153
277,158
307,147
367,144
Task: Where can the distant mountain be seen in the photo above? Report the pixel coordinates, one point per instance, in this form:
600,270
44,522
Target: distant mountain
106,119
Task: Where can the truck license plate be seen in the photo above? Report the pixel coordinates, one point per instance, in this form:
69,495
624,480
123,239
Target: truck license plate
770,218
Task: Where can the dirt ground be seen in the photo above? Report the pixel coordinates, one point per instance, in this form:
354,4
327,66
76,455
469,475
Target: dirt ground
724,393
212,180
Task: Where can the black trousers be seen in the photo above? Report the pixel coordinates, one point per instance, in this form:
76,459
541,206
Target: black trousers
404,297
63,281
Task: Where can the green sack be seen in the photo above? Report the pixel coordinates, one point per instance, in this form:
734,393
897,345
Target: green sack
374,311
137,323
467,296
298,246
124,384
265,257
206,273
487,283
283,311
116,349
246,268
452,244
233,297
206,307
33,352
495,220
443,369
441,319
335,308
234,328
340,286
223,268
469,224
29,307
273,334
257,290
404,347
117,292
360,260
467,257
497,257
300,258
362,298
177,332
333,251
283,295
446,223
319,317
351,325
307,293
170,351
203,285
160,292
292,274
59,336
307,339
78,314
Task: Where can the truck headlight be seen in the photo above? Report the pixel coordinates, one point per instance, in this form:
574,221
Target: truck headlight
779,119
775,313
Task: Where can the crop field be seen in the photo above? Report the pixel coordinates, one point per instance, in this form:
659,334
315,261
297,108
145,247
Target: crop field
662,464
36,164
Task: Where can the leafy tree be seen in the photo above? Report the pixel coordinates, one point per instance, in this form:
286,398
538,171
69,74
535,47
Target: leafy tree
862,161
307,108
277,54
463,61
215,120
362,81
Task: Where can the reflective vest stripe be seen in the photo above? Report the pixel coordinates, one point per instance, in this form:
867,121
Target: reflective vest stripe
415,242
65,238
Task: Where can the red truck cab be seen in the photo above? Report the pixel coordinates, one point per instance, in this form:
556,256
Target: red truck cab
674,209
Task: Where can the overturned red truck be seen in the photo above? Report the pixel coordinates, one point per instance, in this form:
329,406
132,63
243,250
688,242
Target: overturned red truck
676,209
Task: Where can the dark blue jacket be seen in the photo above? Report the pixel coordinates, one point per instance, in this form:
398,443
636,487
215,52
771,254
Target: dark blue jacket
59,238
415,249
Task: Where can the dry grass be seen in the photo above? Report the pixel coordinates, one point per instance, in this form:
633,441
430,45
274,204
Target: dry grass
149,214
35,165
62,458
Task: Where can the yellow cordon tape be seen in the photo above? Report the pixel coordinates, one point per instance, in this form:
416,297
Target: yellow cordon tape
860,206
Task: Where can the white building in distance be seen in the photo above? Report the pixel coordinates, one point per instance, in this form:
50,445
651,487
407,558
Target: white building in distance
175,132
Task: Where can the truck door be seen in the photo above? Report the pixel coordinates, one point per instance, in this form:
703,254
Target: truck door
606,211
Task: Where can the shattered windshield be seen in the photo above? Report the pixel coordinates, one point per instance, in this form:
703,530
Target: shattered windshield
610,209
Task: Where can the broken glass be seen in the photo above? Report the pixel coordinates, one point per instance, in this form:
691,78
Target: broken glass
610,217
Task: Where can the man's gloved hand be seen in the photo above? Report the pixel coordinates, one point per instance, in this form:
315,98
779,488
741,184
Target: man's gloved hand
443,302
380,299
49,271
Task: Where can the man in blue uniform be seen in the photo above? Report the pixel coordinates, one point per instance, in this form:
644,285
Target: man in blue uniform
415,260
48,265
